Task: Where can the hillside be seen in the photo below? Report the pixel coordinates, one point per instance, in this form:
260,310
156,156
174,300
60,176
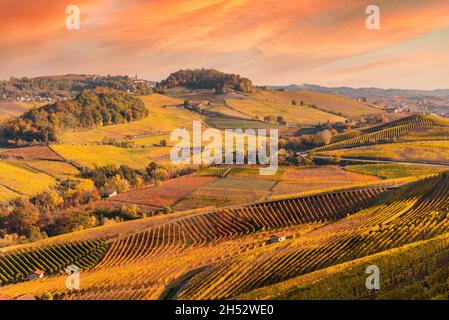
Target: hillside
50,88
392,131
425,262
335,104
416,152
14,109
207,79
203,245
192,241
91,108
157,125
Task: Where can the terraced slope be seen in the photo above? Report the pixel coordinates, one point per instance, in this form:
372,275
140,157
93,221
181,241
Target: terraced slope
16,265
414,271
414,213
388,132
141,265
227,254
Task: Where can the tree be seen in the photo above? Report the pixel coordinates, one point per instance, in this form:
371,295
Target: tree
23,216
322,137
281,120
267,119
117,184
161,174
47,200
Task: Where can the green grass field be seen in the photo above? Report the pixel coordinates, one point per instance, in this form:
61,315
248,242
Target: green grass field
423,151
426,133
395,170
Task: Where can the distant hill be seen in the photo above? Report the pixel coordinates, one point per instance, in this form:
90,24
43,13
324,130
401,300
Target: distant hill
48,88
365,92
207,79
435,101
331,103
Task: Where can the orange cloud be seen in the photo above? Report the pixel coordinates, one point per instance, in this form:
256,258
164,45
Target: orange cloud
265,39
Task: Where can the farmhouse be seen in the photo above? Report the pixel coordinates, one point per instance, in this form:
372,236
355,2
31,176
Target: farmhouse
38,274
278,238
113,194
395,109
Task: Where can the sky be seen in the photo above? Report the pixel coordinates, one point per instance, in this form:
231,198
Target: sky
272,42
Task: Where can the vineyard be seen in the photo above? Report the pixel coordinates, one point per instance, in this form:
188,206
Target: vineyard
388,132
412,214
395,170
15,266
23,179
295,181
94,155
36,152
197,240
420,120
164,195
220,172
227,253
333,104
418,151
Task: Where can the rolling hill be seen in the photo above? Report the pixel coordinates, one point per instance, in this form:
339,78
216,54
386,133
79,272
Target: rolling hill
390,132
226,253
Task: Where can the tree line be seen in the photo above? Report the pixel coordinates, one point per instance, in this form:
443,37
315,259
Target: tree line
207,79
69,206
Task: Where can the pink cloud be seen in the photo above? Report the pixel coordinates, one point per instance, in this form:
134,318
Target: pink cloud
265,39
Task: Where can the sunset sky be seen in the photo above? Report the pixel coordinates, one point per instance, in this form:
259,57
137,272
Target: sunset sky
270,41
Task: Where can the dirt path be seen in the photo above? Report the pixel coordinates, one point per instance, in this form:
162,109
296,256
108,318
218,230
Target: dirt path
172,290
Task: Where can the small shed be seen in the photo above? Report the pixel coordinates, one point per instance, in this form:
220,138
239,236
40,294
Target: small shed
113,194
38,274
278,238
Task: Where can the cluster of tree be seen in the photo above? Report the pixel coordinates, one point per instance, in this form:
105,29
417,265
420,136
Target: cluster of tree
70,206
73,219
118,143
31,219
272,119
309,141
91,108
109,179
70,85
207,79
